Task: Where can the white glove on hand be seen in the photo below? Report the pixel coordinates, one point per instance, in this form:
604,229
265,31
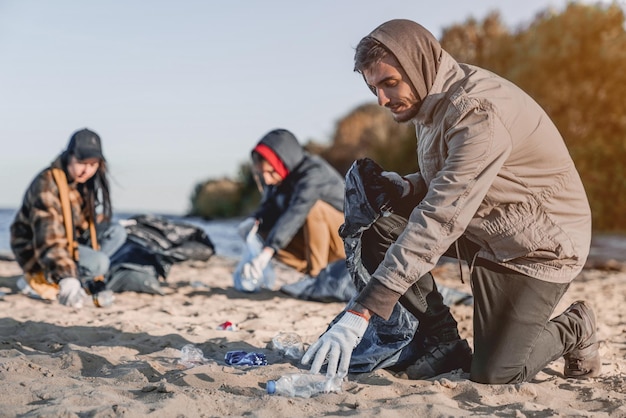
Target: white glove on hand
253,270
402,184
71,293
245,226
337,343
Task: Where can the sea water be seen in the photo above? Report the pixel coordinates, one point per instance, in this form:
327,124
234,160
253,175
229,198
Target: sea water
228,243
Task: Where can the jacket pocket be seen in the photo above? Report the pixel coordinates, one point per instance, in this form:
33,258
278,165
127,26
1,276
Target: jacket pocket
525,230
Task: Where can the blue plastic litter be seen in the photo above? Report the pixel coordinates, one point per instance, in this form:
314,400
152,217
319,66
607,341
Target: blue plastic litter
242,358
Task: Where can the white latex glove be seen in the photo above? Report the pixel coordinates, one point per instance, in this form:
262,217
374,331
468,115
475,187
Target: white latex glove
253,270
71,292
337,344
245,226
402,184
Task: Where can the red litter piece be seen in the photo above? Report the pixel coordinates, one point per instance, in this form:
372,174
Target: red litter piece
227,326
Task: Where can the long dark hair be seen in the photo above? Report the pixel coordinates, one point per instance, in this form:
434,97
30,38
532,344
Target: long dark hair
95,191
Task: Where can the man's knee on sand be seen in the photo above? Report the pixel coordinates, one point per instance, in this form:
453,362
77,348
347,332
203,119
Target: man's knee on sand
492,373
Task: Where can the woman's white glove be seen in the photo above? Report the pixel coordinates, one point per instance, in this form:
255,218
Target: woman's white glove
337,344
245,226
253,270
402,185
71,293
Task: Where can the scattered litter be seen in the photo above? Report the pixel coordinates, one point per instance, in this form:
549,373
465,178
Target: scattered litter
199,285
288,344
191,356
242,358
227,326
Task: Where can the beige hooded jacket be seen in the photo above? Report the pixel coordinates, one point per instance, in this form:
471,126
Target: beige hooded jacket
496,169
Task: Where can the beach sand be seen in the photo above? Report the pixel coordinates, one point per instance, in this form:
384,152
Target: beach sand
124,360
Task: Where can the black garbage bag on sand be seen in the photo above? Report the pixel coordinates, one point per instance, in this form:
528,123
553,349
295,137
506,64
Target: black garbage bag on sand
385,343
153,244
175,240
391,343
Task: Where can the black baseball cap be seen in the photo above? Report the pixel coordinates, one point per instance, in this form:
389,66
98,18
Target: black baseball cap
85,144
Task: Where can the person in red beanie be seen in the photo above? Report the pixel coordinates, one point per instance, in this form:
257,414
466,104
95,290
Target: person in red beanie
301,210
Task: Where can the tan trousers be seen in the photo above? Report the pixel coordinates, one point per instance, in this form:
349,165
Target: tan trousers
317,243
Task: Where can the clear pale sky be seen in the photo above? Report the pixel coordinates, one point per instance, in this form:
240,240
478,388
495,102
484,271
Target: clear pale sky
179,91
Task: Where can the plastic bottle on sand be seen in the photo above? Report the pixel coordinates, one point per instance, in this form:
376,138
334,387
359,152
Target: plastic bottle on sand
289,344
304,385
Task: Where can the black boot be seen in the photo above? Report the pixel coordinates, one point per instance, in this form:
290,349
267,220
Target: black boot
583,361
441,357
443,350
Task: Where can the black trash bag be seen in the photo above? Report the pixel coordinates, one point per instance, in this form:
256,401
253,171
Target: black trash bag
332,284
131,277
360,209
394,343
175,240
135,253
390,344
386,343
153,244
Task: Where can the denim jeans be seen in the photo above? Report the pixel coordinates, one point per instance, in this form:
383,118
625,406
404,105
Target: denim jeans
92,263
514,337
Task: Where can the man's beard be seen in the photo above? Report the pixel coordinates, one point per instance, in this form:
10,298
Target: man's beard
407,114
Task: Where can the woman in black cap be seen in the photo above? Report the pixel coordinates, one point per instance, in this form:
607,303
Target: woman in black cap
62,235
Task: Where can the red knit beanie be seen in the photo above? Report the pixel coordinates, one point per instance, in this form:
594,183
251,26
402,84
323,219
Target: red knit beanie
273,159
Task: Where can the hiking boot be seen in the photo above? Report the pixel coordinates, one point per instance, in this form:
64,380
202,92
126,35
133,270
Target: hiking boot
583,361
441,358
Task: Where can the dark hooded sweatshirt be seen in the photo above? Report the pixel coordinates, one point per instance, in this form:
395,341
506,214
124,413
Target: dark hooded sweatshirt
285,206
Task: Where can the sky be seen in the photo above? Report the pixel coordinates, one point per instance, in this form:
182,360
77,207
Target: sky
181,90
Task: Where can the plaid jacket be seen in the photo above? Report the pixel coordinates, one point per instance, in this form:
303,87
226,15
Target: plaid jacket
38,237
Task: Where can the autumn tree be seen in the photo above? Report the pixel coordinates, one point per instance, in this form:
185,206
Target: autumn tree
574,64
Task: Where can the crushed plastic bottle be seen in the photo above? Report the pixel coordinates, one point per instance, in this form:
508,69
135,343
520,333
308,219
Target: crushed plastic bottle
303,385
199,285
191,356
253,247
289,344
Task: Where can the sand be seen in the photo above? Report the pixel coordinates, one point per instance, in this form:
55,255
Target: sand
125,360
